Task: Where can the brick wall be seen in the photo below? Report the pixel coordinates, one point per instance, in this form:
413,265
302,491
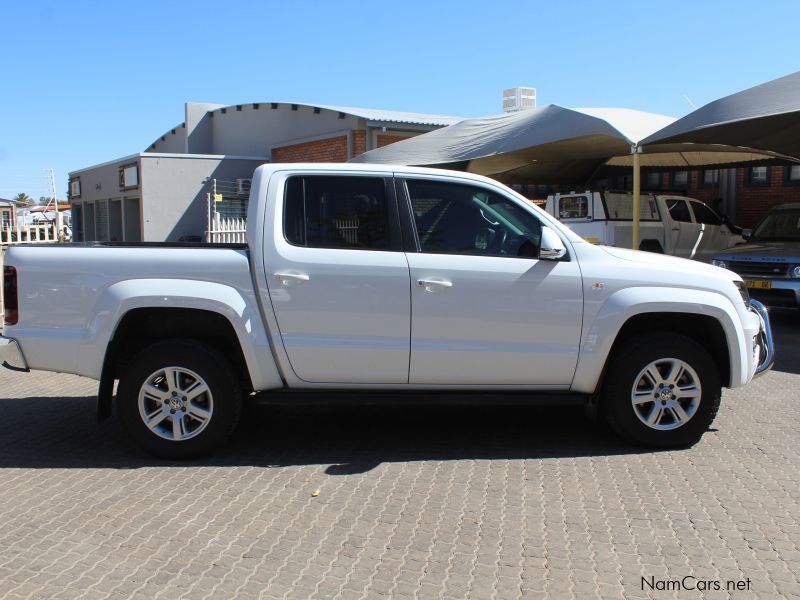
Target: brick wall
326,150
386,139
359,142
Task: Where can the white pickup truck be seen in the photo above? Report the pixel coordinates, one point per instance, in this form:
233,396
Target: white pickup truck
383,279
674,225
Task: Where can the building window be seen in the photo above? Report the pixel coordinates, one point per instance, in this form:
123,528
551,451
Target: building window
792,174
128,177
680,179
710,178
75,188
652,181
757,176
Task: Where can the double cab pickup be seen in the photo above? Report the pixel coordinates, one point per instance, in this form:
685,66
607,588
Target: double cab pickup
418,282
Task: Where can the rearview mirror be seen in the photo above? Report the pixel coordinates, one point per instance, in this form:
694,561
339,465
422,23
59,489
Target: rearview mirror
747,234
552,248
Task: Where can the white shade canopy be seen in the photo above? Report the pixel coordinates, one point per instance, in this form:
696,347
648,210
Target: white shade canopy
549,143
553,144
764,118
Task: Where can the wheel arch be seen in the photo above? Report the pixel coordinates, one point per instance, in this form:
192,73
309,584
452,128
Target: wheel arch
202,311
705,317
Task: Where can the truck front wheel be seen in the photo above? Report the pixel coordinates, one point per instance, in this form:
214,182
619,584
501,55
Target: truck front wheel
661,390
179,399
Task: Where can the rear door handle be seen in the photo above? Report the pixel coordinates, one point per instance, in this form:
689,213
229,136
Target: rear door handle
285,278
431,284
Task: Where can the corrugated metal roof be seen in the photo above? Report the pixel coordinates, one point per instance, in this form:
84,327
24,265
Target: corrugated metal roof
393,116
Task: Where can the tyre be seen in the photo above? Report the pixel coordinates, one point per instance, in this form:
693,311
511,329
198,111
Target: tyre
179,399
661,390
651,246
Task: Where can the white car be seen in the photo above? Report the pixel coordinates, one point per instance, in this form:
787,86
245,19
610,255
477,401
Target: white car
381,278
674,225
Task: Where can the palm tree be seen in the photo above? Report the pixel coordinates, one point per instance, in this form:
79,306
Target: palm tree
23,200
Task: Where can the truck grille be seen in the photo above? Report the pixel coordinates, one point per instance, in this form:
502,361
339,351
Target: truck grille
759,269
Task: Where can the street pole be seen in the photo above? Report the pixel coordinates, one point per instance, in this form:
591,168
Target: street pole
636,151
59,234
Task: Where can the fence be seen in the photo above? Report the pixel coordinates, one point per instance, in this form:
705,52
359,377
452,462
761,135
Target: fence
227,231
28,234
227,211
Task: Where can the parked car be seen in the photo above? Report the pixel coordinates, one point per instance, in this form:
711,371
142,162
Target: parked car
770,260
387,279
674,225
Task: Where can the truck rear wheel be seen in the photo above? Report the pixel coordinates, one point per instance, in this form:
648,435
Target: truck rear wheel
661,390
179,399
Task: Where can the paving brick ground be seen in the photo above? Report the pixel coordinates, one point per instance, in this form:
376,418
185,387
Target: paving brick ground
472,502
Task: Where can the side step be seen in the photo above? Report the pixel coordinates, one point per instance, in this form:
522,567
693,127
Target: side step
421,397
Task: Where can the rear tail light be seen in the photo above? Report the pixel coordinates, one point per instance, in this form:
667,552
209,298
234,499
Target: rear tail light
10,300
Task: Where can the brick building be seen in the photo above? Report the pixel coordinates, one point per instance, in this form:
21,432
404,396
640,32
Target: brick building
161,194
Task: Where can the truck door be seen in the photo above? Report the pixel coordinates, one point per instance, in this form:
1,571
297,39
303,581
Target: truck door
338,278
683,233
485,309
714,236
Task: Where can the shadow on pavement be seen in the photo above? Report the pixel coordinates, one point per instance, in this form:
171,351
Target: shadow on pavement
62,433
786,331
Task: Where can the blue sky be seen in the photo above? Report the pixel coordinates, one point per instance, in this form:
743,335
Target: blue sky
83,82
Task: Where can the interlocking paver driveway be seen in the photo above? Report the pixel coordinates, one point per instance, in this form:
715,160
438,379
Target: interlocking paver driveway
448,502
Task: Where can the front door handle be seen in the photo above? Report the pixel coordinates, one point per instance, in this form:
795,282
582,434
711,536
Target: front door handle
285,278
431,284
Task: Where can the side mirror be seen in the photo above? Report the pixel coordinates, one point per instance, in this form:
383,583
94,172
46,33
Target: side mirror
747,234
551,248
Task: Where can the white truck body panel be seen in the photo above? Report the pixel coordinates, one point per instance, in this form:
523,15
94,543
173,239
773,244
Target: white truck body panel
660,228
322,318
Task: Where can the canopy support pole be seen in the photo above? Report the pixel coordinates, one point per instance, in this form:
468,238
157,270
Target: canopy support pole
636,151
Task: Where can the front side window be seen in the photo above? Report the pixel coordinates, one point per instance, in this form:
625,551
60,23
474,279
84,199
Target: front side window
337,212
678,210
703,214
464,219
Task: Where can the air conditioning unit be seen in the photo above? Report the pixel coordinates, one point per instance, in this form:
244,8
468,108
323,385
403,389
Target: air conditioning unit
243,185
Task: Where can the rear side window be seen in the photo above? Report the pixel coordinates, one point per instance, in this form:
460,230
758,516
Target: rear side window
336,212
678,210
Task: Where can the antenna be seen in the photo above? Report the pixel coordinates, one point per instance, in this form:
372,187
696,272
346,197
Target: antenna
692,104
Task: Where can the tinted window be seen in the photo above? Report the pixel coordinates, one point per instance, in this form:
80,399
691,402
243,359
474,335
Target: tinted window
336,212
462,219
703,214
573,207
679,211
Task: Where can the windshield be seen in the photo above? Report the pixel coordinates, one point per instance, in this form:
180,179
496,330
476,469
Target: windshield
779,226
